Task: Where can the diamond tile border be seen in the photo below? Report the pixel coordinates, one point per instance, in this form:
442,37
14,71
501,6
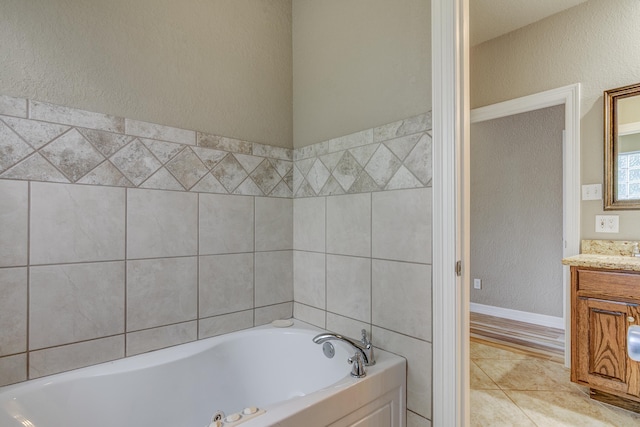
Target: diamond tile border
390,157
60,144
53,143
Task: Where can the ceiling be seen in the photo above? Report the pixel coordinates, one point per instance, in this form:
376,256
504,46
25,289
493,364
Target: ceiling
493,18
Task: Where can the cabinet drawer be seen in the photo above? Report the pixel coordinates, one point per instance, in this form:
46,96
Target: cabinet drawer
605,283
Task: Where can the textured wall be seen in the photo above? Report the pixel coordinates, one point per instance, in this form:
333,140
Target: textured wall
516,211
594,44
358,64
220,66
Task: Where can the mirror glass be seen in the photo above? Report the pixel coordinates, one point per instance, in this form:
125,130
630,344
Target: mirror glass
622,148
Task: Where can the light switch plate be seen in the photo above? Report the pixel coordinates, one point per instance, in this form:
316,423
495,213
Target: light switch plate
607,223
592,192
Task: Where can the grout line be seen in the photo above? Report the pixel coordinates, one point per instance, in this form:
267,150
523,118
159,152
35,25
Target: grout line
198,267
371,266
126,270
28,311
326,258
254,260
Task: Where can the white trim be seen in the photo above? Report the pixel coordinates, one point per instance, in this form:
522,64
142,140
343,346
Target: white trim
520,316
450,82
570,97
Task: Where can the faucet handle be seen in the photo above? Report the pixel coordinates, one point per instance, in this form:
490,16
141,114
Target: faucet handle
365,340
358,370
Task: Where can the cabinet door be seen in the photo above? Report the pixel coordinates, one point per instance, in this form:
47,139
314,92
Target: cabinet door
602,346
601,341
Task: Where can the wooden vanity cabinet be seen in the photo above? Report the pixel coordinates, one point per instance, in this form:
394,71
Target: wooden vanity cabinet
604,304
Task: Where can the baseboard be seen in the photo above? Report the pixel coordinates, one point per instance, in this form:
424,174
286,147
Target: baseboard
521,316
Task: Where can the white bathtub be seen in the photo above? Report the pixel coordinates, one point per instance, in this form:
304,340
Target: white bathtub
278,370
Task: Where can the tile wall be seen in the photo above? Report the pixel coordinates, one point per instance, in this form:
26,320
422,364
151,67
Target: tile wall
362,256
121,237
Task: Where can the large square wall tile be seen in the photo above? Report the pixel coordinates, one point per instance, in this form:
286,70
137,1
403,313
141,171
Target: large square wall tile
349,225
73,356
76,223
309,224
13,310
401,225
274,224
75,302
161,291
401,296
226,224
309,278
14,218
419,359
349,286
13,369
274,277
161,224
226,284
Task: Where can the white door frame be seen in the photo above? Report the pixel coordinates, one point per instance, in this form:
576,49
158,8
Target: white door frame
450,300
569,96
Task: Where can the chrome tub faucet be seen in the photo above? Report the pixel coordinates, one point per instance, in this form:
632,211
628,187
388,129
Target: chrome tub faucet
364,351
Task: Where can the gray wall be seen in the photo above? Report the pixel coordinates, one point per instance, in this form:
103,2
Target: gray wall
217,66
358,64
594,44
516,211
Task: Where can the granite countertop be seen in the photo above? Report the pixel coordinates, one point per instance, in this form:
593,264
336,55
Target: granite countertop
606,254
609,262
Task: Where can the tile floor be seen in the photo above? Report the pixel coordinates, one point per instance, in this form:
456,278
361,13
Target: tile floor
510,387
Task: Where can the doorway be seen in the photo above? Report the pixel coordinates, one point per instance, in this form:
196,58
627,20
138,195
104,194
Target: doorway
516,230
567,96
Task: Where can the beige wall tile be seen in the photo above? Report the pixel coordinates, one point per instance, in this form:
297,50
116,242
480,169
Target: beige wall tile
349,286
311,315
309,278
161,291
74,117
161,224
13,222
226,323
274,224
13,369
75,302
349,225
156,131
309,224
37,134
226,224
13,106
402,234
419,356
348,327
274,277
13,310
264,315
157,338
401,297
226,284
73,223
73,356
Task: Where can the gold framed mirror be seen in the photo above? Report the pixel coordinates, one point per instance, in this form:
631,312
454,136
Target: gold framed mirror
622,148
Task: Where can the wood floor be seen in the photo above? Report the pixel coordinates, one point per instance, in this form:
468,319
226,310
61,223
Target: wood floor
538,340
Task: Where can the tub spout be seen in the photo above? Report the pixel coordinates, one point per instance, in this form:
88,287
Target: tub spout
364,347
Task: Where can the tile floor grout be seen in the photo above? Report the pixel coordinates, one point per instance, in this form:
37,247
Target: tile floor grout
508,383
